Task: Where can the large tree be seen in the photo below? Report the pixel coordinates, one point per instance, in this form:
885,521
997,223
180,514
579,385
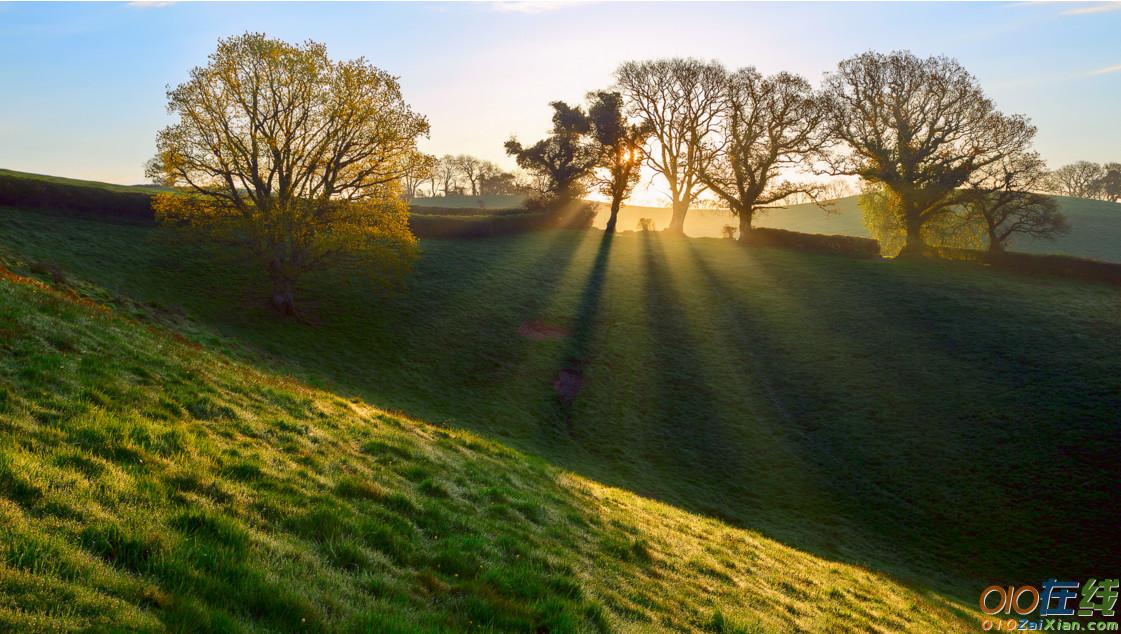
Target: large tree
618,146
563,160
1005,200
296,157
679,99
768,125
918,127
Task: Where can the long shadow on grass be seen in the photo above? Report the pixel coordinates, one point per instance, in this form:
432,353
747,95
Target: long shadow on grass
1002,422
692,441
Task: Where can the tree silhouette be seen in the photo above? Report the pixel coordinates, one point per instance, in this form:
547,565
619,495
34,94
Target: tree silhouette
617,145
679,99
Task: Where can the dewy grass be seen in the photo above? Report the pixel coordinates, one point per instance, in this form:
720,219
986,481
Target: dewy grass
289,508
896,424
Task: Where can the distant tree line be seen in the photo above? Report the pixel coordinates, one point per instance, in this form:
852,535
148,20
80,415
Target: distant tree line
1084,179
462,175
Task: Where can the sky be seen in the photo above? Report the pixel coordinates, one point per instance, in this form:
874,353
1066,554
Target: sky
82,86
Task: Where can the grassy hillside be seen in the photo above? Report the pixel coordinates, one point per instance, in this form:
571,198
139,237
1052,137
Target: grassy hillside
149,484
947,425
59,180
1095,225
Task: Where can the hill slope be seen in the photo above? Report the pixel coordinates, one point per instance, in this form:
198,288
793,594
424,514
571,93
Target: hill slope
845,408
149,484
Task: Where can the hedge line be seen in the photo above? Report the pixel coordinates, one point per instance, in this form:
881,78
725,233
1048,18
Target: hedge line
16,191
481,226
1065,266
844,245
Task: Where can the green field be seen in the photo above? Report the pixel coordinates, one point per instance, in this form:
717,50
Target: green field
74,182
1095,225
945,425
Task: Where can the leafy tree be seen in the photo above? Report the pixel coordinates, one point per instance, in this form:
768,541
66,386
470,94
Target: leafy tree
294,156
1005,201
884,223
767,126
680,100
617,145
563,159
1077,179
917,127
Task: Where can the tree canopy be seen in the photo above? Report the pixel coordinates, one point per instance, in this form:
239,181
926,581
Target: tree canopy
919,128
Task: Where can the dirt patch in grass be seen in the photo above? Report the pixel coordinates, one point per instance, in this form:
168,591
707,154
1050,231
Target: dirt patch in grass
538,330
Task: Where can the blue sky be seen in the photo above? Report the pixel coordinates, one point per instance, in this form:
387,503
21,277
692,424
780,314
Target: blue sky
82,85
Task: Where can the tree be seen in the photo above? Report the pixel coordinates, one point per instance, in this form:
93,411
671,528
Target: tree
563,160
447,172
295,157
471,169
679,99
767,126
918,127
1076,179
422,172
1005,201
617,145
1108,185
500,183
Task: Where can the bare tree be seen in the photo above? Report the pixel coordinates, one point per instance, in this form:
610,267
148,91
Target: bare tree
447,172
679,99
767,125
918,127
421,172
1005,200
1076,179
470,168
617,144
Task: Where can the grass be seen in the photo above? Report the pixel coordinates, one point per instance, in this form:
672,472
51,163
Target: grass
946,426
150,484
59,180
1095,225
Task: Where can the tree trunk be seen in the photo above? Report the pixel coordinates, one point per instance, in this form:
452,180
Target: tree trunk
677,219
613,219
745,224
995,244
915,245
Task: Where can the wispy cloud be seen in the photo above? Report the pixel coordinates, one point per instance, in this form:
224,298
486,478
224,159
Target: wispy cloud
1107,70
531,6
151,4
1095,7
